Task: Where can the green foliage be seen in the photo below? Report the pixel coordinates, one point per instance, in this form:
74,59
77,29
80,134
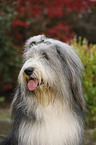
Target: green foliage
93,133
88,57
2,99
9,58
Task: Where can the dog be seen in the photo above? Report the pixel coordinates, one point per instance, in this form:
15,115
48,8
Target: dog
48,106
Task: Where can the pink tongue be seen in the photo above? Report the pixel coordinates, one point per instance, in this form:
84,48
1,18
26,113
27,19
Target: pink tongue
32,84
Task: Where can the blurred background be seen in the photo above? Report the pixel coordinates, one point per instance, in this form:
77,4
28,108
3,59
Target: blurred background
71,21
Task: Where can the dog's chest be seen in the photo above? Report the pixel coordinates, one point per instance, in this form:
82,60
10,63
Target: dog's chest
52,129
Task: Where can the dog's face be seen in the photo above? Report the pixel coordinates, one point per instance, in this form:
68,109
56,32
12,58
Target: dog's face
41,68
51,66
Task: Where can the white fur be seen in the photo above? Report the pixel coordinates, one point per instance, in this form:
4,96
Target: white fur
35,39
56,125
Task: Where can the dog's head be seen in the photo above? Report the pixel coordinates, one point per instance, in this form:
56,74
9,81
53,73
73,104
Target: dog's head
54,66
41,67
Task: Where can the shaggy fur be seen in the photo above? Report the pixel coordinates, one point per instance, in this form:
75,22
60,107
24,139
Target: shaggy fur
53,112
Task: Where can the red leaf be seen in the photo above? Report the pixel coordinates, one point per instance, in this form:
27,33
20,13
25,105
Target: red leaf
19,23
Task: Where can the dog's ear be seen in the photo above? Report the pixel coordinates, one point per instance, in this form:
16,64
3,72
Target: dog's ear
72,68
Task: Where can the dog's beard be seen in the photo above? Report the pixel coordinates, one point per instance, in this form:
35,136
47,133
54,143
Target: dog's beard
38,88
45,95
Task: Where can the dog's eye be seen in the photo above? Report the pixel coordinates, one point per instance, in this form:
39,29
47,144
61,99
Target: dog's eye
45,55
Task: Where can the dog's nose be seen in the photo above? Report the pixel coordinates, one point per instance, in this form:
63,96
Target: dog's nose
28,71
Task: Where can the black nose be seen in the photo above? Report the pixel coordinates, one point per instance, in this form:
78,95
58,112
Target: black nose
28,71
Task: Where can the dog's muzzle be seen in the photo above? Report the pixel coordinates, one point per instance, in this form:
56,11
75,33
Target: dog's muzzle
31,78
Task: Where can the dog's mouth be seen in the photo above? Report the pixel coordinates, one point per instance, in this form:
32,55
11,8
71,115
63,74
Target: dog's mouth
33,83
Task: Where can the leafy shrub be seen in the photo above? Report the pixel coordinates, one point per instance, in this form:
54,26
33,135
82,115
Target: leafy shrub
56,19
88,57
9,58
